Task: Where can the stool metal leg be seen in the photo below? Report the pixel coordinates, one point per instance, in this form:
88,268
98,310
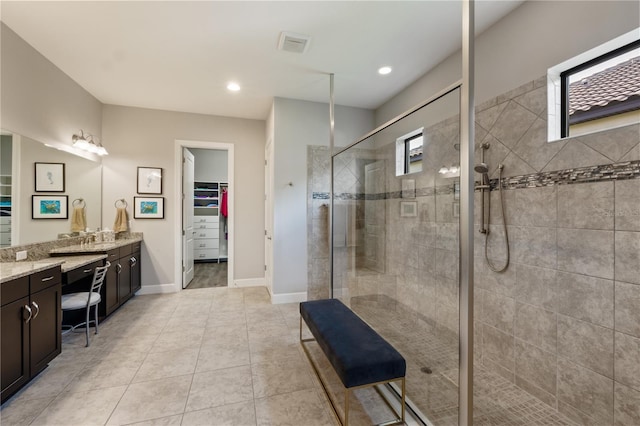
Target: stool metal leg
96,316
86,326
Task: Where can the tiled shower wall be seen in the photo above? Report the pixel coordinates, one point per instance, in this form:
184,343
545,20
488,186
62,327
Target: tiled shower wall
563,321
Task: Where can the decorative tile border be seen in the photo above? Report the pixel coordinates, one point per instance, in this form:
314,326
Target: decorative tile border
606,172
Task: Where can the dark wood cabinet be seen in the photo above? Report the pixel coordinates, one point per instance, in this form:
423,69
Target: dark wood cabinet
31,327
136,272
123,278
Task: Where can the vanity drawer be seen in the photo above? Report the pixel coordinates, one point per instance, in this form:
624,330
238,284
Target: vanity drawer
113,255
5,227
5,238
5,220
82,272
126,250
201,254
14,290
45,279
207,243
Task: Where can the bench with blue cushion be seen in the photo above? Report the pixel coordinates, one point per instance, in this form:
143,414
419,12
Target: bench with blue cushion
358,354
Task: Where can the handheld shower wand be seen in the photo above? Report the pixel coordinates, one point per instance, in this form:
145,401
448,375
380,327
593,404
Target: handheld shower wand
485,186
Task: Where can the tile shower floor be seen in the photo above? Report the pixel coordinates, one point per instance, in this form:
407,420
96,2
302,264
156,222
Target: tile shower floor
220,356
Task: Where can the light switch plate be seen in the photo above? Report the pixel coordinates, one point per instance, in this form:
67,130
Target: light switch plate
21,255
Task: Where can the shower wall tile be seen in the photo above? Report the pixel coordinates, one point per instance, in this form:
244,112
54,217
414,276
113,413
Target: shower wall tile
536,326
613,143
446,264
627,205
534,149
627,359
534,100
501,283
586,344
573,155
499,311
514,166
534,246
627,311
536,366
627,406
536,286
628,257
633,154
585,391
536,207
512,124
586,298
586,205
498,347
584,251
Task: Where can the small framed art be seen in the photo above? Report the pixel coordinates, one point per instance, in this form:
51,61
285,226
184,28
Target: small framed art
49,207
408,208
148,207
49,177
149,180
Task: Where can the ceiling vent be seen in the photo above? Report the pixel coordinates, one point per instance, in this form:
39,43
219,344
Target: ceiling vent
292,42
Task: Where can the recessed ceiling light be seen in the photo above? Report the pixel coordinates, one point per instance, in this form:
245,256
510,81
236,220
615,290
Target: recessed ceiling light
232,86
384,70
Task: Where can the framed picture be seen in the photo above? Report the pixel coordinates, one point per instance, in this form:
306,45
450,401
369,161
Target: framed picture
49,207
148,207
408,208
149,180
408,188
49,177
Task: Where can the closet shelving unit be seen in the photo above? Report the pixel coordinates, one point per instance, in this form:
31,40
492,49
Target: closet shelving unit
209,242
5,210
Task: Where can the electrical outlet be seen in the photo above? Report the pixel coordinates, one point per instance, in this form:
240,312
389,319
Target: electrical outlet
21,255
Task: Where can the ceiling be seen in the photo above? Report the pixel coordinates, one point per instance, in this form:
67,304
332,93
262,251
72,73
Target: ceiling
180,55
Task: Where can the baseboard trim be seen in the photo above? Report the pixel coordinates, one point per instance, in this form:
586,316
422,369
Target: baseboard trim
157,289
289,298
250,282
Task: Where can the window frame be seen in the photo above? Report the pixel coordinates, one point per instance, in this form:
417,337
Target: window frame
566,75
407,151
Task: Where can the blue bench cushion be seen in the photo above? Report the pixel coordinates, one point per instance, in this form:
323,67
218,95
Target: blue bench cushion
357,352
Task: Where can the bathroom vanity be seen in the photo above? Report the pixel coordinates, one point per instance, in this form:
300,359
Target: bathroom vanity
30,298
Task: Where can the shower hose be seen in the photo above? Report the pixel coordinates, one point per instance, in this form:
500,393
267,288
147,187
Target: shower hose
504,225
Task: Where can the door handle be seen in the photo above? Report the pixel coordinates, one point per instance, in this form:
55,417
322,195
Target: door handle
28,309
47,279
133,261
118,268
35,305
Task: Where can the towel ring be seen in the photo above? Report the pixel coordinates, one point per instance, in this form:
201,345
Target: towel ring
123,203
79,202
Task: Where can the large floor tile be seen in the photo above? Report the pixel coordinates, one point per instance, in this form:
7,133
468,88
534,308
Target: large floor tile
152,400
158,365
240,414
220,387
293,409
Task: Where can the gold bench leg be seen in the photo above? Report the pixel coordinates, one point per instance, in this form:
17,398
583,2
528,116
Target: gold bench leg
347,392
403,399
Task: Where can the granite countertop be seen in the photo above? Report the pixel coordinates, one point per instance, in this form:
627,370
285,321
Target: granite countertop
94,247
12,270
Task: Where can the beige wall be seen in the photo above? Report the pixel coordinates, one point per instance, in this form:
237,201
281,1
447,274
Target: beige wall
522,46
40,101
143,137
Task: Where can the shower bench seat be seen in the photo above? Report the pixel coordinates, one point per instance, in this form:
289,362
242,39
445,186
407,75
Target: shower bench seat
358,354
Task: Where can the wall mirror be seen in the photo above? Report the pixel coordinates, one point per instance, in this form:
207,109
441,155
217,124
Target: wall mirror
82,181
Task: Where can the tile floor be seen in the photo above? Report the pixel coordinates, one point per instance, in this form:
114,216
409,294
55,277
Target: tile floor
224,356
215,356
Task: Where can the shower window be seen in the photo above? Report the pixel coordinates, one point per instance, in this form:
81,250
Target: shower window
409,149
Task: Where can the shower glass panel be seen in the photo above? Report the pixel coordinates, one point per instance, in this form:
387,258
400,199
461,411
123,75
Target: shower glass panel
395,249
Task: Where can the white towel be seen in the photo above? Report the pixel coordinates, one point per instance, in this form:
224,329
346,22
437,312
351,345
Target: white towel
120,224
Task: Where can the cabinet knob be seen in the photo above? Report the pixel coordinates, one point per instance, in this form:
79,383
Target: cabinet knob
133,261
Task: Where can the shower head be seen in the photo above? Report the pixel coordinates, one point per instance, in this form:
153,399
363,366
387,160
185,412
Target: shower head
481,168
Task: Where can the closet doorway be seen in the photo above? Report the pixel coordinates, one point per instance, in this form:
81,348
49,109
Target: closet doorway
206,219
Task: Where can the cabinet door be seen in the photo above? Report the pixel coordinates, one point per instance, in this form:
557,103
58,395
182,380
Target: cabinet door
45,339
110,288
124,279
14,346
136,272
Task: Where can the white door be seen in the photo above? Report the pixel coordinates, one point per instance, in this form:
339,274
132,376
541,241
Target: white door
187,217
268,216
